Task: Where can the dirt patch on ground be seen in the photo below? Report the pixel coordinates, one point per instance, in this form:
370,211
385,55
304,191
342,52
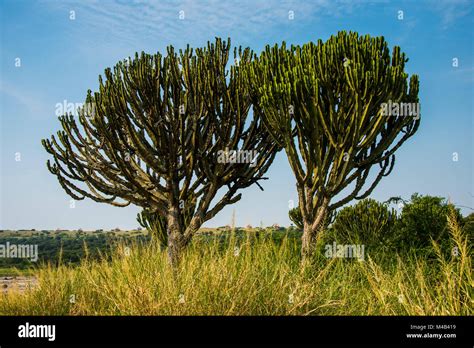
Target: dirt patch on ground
17,283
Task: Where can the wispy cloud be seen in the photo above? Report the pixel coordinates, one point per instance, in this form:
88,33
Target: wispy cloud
33,105
451,10
142,21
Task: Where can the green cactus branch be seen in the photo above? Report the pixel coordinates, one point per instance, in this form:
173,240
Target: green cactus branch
322,103
155,133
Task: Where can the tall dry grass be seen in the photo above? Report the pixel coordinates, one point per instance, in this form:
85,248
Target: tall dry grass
252,276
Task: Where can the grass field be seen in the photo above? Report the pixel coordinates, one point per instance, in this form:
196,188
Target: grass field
252,276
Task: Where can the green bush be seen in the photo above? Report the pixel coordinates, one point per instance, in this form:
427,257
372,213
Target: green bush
155,224
368,222
469,227
295,216
422,219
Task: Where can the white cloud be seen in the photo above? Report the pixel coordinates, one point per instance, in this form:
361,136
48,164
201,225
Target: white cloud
33,105
451,10
134,22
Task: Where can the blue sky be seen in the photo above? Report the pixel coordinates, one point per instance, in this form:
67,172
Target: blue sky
60,59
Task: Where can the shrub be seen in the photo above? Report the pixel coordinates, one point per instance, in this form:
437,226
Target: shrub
423,219
469,227
368,222
295,216
155,224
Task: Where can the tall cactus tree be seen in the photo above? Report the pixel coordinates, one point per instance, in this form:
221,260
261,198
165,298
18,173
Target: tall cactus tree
324,103
159,125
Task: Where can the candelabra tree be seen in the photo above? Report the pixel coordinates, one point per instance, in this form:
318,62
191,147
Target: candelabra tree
154,133
326,104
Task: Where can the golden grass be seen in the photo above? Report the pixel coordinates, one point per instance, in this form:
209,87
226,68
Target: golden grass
252,276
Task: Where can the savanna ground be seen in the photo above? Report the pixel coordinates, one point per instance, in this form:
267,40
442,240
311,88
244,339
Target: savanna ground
251,274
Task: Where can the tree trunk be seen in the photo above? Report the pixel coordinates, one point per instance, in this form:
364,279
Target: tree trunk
176,240
307,241
176,246
311,229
